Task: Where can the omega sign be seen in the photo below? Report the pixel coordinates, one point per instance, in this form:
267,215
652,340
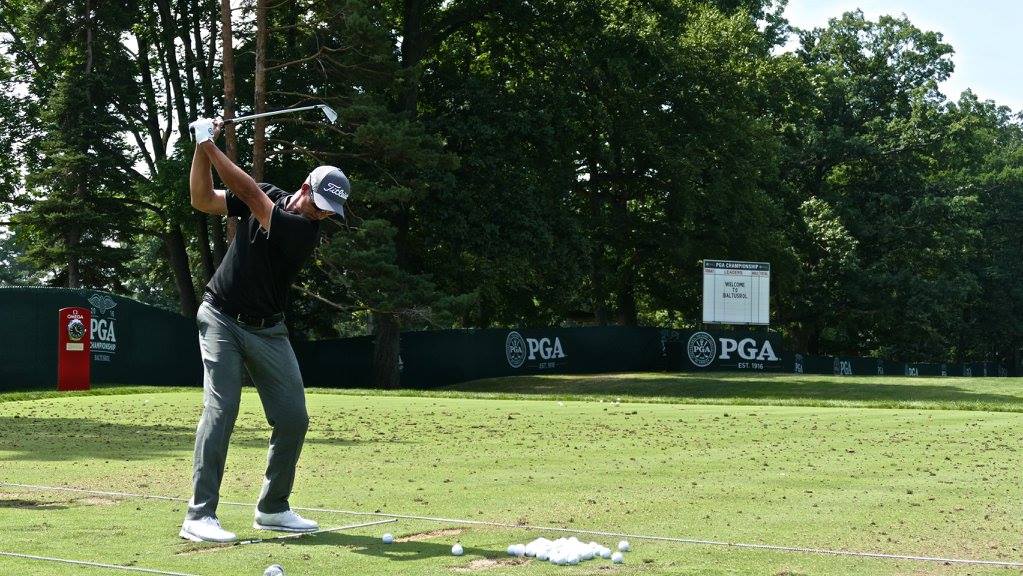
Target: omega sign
703,349
519,351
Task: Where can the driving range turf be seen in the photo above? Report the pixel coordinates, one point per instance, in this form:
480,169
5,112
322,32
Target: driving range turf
917,466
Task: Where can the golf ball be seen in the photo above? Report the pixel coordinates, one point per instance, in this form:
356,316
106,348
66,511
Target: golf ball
388,538
457,550
618,558
605,553
623,546
273,570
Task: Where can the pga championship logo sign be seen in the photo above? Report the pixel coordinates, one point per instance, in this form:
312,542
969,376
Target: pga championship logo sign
103,327
539,353
746,353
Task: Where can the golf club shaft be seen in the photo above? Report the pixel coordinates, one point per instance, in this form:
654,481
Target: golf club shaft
274,113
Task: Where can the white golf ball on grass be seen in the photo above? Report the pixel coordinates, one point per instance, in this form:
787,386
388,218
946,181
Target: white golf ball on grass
388,538
623,546
457,550
274,570
618,558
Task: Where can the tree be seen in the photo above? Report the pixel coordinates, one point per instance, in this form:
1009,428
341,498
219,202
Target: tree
869,154
983,145
71,223
138,93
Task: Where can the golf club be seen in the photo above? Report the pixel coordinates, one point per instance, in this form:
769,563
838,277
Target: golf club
327,111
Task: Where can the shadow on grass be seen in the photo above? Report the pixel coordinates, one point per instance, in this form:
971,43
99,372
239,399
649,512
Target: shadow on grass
53,439
781,389
22,504
399,551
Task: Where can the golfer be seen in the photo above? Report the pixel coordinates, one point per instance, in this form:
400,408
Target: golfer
241,328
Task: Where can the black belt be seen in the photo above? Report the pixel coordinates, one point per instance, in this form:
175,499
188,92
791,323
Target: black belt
247,319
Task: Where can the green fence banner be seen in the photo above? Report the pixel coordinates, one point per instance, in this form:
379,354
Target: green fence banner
132,343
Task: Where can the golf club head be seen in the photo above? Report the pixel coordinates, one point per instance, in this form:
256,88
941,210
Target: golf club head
329,112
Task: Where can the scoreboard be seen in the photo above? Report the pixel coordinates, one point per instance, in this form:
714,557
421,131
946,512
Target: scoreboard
736,292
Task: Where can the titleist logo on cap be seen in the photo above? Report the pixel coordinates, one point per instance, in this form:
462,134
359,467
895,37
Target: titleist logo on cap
335,189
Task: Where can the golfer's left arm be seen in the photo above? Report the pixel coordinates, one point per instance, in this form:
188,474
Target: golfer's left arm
243,186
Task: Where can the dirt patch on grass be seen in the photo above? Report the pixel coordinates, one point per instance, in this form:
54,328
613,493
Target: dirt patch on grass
420,536
488,563
97,501
200,548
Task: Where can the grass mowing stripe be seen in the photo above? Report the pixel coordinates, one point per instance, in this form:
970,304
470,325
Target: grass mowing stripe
654,538
92,564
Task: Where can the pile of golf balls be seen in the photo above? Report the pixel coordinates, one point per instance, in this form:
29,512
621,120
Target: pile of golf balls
567,551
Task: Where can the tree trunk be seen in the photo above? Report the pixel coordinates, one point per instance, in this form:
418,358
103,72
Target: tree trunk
386,350
202,64
73,235
219,246
205,60
598,276
74,273
627,313
227,69
259,94
169,25
386,345
190,64
599,286
230,136
177,257
202,238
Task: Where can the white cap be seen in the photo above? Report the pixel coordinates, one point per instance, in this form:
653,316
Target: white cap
330,188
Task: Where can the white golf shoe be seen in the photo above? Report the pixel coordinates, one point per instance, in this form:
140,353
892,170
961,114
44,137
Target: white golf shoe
287,521
206,529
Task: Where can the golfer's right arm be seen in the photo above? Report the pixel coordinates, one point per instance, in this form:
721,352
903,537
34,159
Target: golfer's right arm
200,186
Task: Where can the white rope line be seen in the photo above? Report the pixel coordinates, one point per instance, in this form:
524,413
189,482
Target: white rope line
93,564
654,538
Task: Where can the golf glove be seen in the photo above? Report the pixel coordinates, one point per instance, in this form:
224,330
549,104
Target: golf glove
203,130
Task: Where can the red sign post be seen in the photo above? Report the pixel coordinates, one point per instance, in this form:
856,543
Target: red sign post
73,333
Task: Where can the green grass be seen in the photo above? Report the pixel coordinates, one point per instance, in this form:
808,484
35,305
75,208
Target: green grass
922,466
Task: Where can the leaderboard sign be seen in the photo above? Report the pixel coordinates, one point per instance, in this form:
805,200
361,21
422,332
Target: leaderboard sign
736,292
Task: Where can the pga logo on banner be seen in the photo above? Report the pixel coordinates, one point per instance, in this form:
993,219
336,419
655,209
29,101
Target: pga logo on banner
518,350
102,328
703,349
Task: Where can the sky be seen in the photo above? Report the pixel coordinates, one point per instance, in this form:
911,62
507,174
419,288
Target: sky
987,36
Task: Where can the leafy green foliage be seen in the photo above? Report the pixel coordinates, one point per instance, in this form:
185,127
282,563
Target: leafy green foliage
536,163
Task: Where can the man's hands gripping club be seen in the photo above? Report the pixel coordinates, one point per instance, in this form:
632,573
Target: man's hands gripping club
207,155
205,129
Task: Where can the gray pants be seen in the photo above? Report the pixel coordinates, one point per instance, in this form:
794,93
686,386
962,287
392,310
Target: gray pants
229,348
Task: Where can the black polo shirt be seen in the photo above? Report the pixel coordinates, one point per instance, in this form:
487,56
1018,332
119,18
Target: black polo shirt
260,267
